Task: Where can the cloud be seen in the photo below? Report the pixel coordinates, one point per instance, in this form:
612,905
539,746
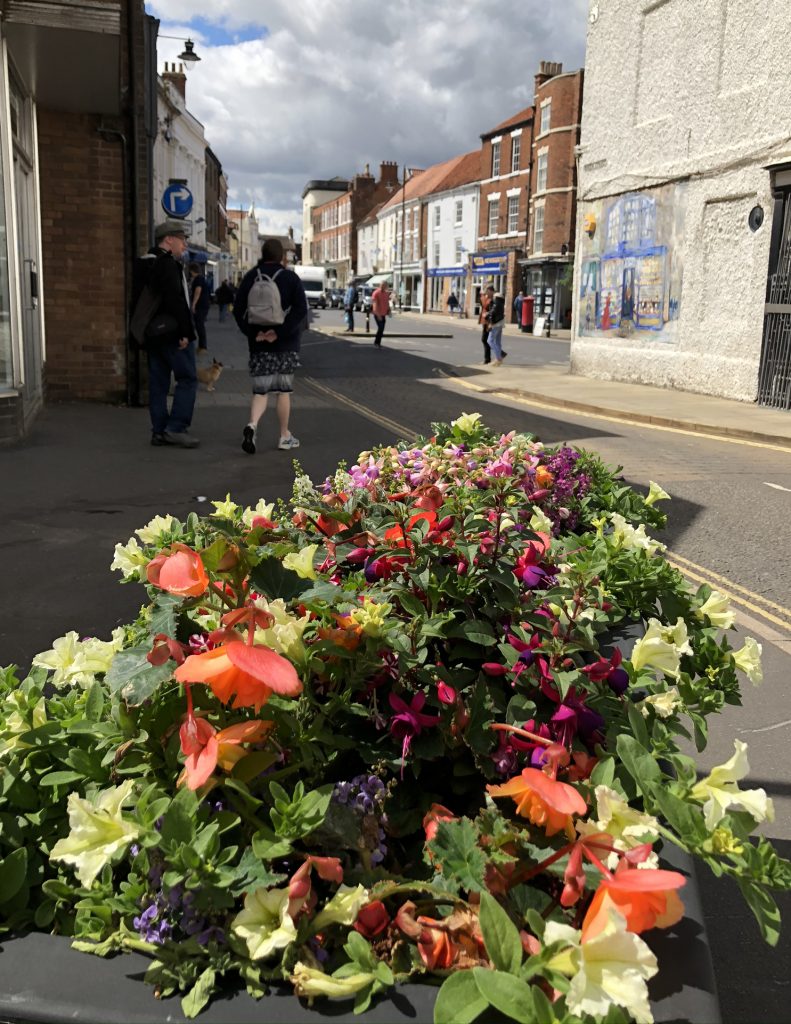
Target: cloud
290,91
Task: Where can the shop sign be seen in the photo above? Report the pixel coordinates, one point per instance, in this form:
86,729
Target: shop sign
446,272
488,262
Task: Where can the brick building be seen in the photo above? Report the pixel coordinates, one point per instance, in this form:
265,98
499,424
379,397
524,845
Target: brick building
335,222
216,192
77,106
506,152
546,268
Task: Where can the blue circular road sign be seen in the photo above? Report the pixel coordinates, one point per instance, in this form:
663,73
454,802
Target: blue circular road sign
177,201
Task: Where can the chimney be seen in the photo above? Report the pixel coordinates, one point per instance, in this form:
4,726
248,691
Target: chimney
547,69
177,78
388,173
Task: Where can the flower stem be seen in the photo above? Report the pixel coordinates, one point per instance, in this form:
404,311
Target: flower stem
504,727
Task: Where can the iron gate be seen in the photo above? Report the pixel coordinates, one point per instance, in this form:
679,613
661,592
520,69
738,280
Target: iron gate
774,376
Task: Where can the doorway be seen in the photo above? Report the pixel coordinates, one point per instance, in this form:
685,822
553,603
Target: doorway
774,374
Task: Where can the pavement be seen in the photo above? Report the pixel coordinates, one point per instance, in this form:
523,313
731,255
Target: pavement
556,387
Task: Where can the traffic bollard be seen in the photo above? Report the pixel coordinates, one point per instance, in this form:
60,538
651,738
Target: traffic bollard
367,322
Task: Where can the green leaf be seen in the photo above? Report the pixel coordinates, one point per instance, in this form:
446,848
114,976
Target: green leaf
199,995
508,994
214,553
687,819
164,615
359,951
764,908
640,764
177,821
269,846
459,1001
269,577
252,873
476,632
604,772
94,702
500,935
455,848
12,874
133,677
60,778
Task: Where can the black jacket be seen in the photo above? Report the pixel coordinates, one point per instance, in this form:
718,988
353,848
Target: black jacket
496,312
292,298
165,276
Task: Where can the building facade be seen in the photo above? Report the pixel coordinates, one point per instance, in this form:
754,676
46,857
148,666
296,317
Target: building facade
218,256
504,207
551,227
76,128
451,232
314,194
368,250
683,269
244,244
335,222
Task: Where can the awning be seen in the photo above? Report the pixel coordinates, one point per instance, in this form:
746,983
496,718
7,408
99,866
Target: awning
380,279
67,51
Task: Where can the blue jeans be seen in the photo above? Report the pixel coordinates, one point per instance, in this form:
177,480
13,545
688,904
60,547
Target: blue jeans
495,340
350,317
164,359
223,307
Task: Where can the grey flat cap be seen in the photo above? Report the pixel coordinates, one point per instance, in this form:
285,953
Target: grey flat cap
171,227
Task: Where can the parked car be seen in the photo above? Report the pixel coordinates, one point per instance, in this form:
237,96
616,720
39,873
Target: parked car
335,298
364,295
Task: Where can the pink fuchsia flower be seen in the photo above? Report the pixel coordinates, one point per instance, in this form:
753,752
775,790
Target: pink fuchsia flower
609,670
446,693
409,721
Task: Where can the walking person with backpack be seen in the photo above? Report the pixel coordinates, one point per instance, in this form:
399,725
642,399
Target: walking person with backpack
270,308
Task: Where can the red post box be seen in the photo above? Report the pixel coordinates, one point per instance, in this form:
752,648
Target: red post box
527,313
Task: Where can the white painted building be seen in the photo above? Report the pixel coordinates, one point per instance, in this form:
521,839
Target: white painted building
400,242
685,198
244,243
179,152
369,253
452,232
314,194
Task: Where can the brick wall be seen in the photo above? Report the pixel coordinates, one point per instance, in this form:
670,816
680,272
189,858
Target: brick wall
82,224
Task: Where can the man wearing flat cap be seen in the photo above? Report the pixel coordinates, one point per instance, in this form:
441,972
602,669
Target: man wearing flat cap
162,322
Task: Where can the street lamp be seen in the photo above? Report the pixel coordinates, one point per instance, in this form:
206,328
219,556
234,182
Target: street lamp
188,56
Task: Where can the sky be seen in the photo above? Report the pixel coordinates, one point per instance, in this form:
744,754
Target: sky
291,90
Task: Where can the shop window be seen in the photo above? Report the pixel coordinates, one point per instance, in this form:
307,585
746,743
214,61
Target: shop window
513,213
494,216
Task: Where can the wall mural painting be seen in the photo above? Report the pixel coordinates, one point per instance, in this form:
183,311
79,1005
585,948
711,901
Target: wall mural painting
631,269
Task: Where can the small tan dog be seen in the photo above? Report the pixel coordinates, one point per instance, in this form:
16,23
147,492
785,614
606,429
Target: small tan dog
209,375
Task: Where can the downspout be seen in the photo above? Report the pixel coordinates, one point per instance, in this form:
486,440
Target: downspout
133,384
529,193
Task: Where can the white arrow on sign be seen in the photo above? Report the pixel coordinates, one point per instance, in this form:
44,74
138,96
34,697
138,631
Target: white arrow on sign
183,193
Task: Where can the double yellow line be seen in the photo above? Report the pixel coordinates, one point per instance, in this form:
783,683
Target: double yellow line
739,596
765,610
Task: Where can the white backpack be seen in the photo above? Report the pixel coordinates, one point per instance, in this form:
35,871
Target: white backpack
264,307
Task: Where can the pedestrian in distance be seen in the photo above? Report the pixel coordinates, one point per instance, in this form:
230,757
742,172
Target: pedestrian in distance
496,317
271,310
162,323
483,320
520,298
453,303
224,297
380,307
200,302
349,302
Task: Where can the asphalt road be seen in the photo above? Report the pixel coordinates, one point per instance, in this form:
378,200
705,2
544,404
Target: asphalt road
86,478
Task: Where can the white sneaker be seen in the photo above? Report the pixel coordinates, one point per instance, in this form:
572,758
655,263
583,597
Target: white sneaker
287,443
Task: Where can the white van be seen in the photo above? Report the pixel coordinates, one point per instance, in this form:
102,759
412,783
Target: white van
314,283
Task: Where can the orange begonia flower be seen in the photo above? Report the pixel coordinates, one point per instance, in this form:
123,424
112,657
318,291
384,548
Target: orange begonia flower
396,535
180,572
433,816
544,477
437,949
646,897
251,673
206,748
544,801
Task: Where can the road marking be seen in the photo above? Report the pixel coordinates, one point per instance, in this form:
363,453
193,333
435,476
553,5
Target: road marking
397,428
616,418
730,584
768,728
777,487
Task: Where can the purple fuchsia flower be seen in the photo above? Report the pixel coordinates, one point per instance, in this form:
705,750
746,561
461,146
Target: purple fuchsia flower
409,721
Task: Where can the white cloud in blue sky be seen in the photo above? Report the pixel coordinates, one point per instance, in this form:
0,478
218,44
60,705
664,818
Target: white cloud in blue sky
297,89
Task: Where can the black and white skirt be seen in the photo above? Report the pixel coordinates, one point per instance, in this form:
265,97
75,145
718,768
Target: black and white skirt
273,371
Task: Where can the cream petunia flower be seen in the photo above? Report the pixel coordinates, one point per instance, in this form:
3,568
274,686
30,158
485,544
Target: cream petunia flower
129,558
301,562
309,982
748,659
343,908
467,422
655,494
284,636
370,616
626,536
719,791
98,830
664,704
661,648
262,508
610,969
153,532
265,924
717,607
627,827
224,509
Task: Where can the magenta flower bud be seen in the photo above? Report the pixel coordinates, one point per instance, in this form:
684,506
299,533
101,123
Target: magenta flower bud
494,668
446,523
461,568
446,693
542,492
359,555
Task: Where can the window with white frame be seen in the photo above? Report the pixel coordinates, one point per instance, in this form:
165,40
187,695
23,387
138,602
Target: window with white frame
541,174
457,252
437,215
436,254
494,216
513,213
516,151
538,228
459,211
546,116
495,159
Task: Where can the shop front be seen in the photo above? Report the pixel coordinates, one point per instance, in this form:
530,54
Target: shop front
442,282
549,284
488,268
